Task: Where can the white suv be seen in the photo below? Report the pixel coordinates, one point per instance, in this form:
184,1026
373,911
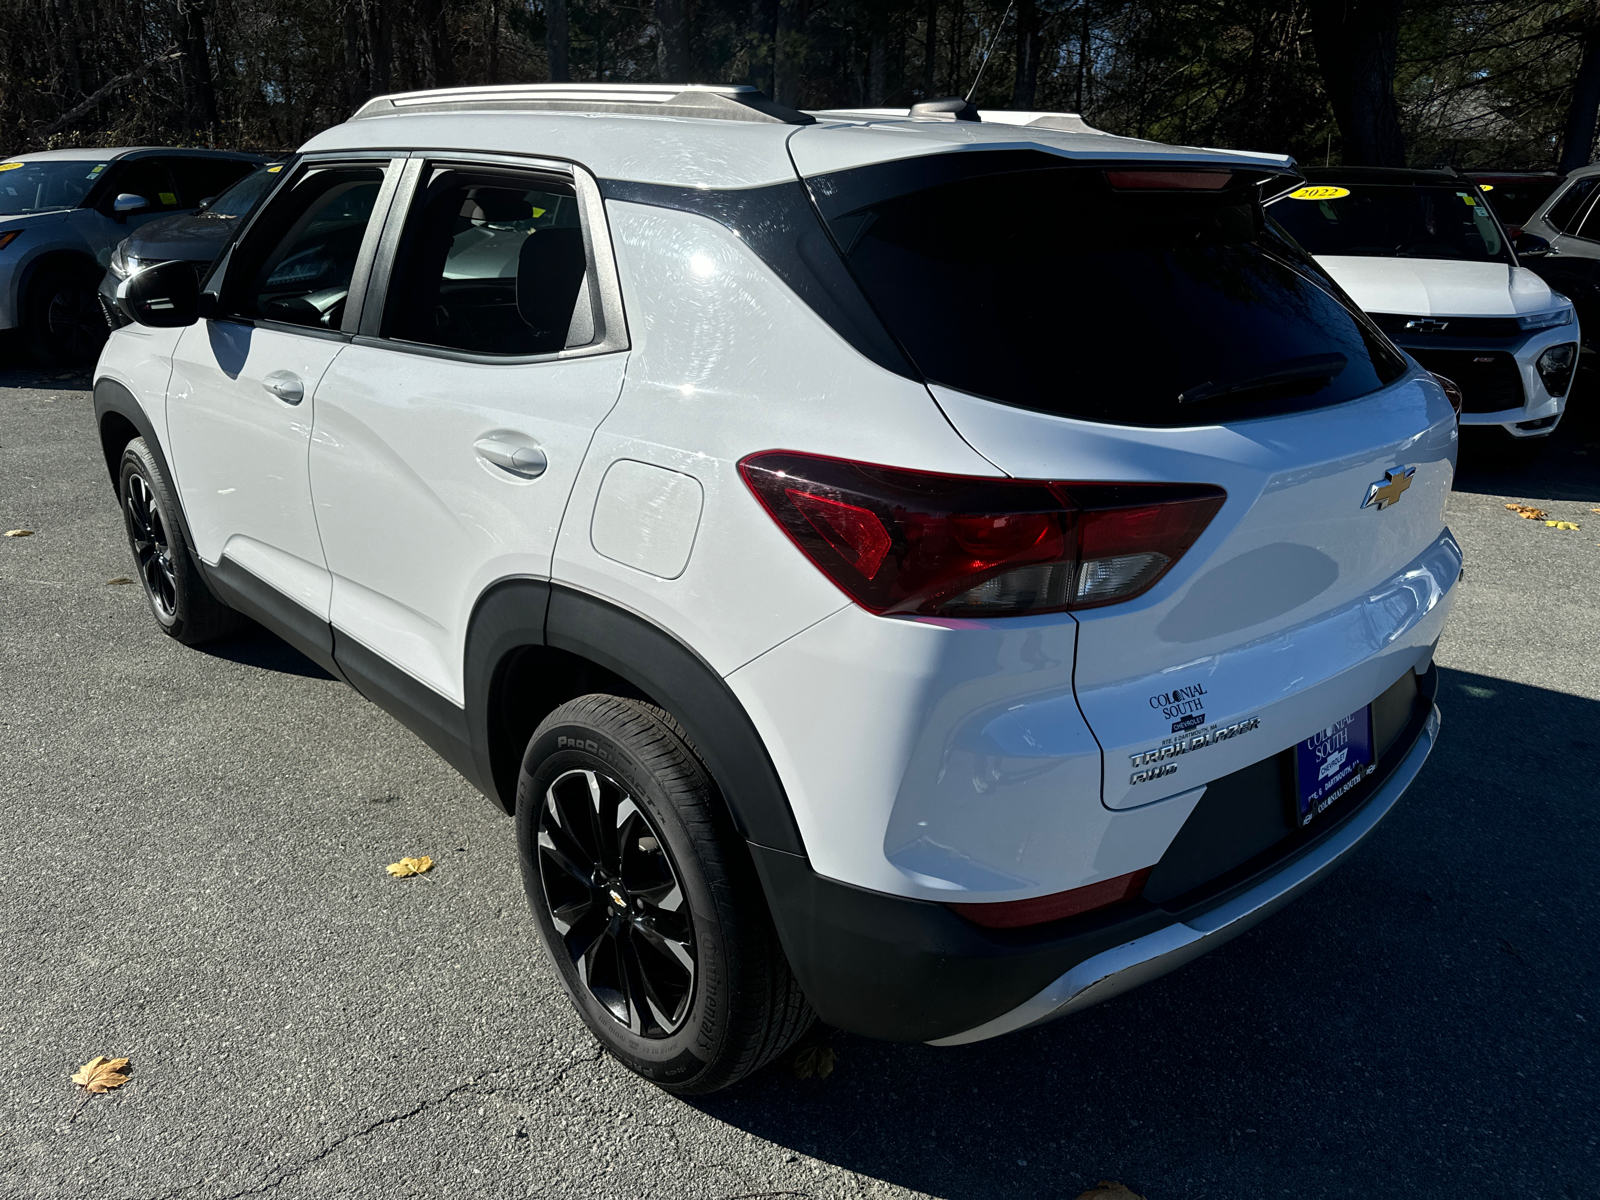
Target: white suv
923,572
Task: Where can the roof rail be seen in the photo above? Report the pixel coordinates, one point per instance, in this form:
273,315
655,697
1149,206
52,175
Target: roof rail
741,103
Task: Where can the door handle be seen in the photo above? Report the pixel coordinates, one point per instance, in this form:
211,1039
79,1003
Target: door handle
527,462
286,386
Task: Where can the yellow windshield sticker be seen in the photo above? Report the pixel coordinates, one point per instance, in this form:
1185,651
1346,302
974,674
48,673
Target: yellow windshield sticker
10,166
1319,193
1486,187
168,197
1467,200
538,212
273,170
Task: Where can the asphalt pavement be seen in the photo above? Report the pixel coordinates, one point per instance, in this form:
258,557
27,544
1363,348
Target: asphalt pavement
192,875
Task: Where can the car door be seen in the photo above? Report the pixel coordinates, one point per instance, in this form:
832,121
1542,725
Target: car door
242,398
448,436
1572,265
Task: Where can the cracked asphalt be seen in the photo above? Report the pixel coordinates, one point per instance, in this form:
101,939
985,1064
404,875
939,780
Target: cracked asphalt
194,844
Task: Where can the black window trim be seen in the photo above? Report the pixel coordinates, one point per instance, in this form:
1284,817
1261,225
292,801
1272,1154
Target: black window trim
604,288
1584,205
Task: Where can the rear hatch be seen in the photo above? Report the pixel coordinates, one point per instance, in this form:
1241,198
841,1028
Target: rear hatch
1093,321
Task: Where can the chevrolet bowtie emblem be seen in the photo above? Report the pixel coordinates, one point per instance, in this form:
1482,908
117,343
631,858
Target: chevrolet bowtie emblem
1389,490
1426,326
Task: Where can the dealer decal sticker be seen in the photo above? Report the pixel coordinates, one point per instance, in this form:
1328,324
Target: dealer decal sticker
1183,706
1319,193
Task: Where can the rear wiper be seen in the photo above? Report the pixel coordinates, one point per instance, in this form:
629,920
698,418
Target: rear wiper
1294,370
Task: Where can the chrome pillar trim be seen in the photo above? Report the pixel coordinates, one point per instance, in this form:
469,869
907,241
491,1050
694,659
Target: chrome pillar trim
1114,971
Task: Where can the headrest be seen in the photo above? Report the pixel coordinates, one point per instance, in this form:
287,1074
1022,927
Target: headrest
497,206
549,272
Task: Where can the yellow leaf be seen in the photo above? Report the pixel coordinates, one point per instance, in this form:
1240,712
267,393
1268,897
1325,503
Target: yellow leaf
407,867
814,1060
1527,512
19,533
1560,524
1109,1189
101,1074
118,581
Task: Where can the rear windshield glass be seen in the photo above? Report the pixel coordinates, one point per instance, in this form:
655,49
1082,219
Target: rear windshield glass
242,197
1098,293
30,187
1385,220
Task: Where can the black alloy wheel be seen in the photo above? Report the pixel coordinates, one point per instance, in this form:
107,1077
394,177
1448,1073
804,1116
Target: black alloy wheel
616,902
152,547
66,320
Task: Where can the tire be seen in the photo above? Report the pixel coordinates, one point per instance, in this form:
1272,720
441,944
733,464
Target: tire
646,899
66,325
181,603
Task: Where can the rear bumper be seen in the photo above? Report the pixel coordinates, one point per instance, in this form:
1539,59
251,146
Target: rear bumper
910,970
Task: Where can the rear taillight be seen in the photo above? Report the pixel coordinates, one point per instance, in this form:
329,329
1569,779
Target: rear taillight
899,541
1015,914
1452,392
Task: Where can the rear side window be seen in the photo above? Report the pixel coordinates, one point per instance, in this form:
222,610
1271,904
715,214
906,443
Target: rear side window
492,263
150,178
1120,295
1563,213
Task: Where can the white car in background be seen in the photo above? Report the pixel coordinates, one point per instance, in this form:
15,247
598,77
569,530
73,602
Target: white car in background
1424,255
873,598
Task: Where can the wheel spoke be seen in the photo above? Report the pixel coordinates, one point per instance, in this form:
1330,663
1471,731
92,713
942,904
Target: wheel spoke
563,856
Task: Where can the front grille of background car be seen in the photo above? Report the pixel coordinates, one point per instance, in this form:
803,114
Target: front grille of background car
1490,381
1394,324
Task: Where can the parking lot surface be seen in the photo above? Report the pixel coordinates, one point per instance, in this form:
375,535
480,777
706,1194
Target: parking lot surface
194,849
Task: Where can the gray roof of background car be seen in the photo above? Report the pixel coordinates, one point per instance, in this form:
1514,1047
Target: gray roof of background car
710,137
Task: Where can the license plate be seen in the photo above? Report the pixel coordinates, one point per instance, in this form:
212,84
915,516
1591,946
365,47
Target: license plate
1332,761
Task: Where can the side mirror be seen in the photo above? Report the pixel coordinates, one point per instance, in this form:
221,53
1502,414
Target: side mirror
1530,245
127,203
164,296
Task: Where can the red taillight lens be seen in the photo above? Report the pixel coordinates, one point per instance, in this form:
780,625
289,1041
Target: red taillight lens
1013,914
1207,181
899,541
1451,390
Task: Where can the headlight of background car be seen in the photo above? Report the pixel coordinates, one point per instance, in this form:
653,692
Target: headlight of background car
1555,367
1546,320
122,263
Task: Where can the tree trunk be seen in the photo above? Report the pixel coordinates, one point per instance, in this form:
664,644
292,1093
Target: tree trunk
930,50
202,106
877,69
1577,144
380,45
763,38
556,40
1357,44
438,67
672,41
1027,55
792,15
355,92
1083,55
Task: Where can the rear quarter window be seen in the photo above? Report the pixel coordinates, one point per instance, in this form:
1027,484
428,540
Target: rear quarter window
1046,286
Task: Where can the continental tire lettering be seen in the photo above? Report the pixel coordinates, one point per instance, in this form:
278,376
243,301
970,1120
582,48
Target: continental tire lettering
1195,741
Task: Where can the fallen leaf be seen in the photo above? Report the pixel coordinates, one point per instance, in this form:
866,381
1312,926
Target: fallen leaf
1527,512
407,867
1109,1189
1595,510
19,533
118,581
1560,524
101,1074
814,1060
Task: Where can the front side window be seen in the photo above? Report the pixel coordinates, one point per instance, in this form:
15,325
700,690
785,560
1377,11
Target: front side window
204,178
1564,212
1130,296
1393,220
240,199
492,262
32,187
150,178
297,263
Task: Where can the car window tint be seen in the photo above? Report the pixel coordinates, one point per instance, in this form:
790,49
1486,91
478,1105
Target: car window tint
242,197
1517,200
151,178
202,178
491,263
1055,289
296,265
1565,210
30,187
1385,220
1588,225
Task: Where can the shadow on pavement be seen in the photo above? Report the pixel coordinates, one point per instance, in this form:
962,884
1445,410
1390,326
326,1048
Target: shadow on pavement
1422,1024
258,648
1569,468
